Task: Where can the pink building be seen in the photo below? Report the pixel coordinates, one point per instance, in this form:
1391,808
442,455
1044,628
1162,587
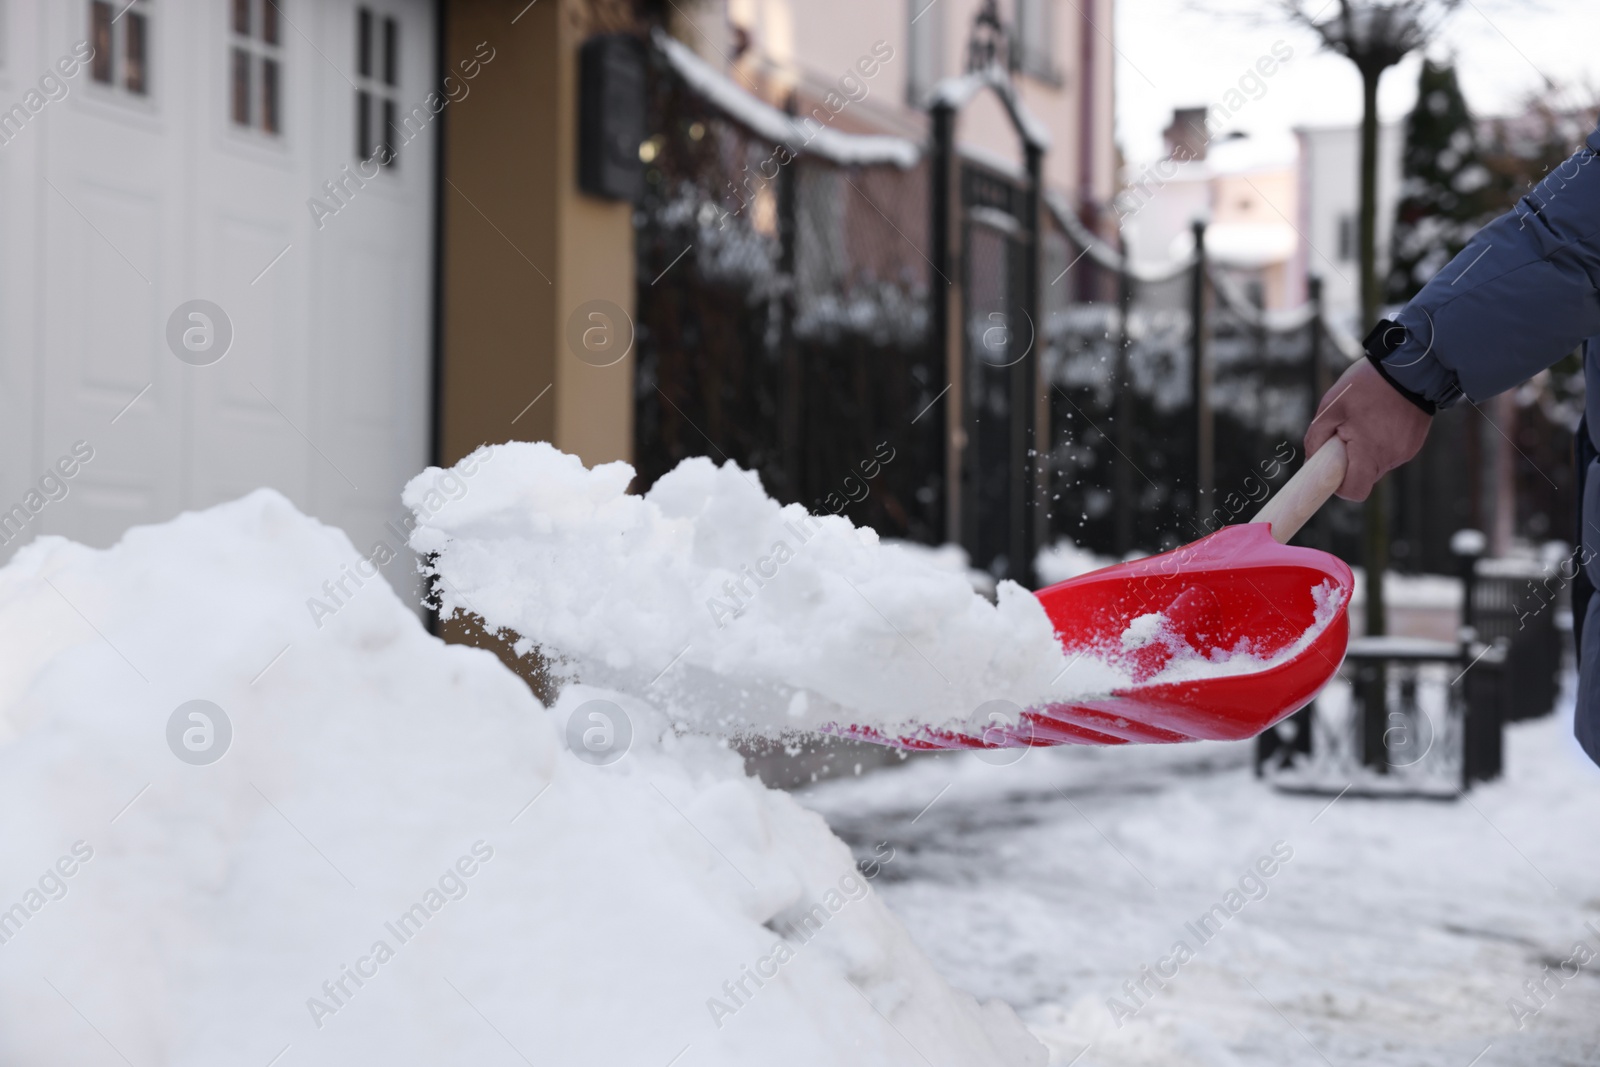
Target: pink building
1062,60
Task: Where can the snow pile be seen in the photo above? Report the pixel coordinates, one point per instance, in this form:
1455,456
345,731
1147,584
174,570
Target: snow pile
949,557
1063,560
395,858
705,578
1144,629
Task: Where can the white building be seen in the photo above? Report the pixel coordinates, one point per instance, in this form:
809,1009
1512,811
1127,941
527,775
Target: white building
1244,189
176,165
1329,201
360,319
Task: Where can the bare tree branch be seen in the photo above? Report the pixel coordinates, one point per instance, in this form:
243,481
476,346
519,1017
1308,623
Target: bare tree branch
1372,34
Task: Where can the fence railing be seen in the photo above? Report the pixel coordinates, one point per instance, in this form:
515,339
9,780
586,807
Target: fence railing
782,304
1173,394
783,321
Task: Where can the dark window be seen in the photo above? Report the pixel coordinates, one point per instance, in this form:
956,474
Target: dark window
257,96
364,145
364,43
377,85
269,95
100,16
119,30
391,52
138,73
241,87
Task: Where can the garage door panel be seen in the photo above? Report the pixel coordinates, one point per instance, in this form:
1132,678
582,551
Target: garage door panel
118,244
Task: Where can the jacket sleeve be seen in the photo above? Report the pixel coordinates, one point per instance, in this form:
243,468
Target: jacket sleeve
1518,298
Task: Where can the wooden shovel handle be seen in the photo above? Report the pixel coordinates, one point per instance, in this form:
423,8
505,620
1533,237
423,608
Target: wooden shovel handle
1302,495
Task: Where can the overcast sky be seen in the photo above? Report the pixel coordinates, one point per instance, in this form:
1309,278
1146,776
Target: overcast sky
1174,54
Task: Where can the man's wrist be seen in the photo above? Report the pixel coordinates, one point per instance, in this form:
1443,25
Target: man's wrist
1385,337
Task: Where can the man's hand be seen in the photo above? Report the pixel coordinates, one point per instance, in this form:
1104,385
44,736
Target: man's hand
1380,428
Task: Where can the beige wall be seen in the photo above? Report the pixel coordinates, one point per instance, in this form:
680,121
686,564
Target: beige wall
523,248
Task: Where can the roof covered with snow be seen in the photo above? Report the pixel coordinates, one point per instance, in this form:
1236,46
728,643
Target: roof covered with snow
764,120
958,91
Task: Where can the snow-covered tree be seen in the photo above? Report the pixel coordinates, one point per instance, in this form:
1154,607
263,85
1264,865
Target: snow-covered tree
1446,193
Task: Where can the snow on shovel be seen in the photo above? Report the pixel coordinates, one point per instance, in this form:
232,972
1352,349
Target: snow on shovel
1223,638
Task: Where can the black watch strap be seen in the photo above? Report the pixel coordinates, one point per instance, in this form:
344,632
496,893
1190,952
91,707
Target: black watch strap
1384,339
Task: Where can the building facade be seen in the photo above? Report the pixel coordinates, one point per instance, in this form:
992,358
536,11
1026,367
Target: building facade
1062,62
319,244
170,298
1330,204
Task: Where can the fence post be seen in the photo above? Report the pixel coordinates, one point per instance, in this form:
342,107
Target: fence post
1123,386
791,430
943,341
1468,546
1311,532
1028,436
1200,379
1318,326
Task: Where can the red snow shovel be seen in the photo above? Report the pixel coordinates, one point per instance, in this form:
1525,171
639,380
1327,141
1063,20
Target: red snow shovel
1240,589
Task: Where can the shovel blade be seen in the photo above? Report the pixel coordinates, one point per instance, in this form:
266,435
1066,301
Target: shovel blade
1236,591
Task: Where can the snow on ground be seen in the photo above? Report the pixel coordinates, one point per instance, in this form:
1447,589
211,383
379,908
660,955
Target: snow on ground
1394,934
1441,592
395,859
400,856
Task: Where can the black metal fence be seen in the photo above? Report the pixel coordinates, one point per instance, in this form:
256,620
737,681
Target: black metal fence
1405,717
783,321
783,316
1136,462
1427,716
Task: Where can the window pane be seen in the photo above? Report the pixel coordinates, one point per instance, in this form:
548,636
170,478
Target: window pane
392,135
363,124
241,87
137,75
269,21
925,64
269,95
241,17
391,52
364,43
100,31
1034,26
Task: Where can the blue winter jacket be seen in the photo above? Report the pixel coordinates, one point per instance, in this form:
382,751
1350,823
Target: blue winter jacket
1523,294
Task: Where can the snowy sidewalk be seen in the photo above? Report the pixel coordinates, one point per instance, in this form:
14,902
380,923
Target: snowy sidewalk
1395,934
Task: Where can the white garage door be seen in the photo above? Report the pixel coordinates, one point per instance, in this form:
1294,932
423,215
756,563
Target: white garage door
176,165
